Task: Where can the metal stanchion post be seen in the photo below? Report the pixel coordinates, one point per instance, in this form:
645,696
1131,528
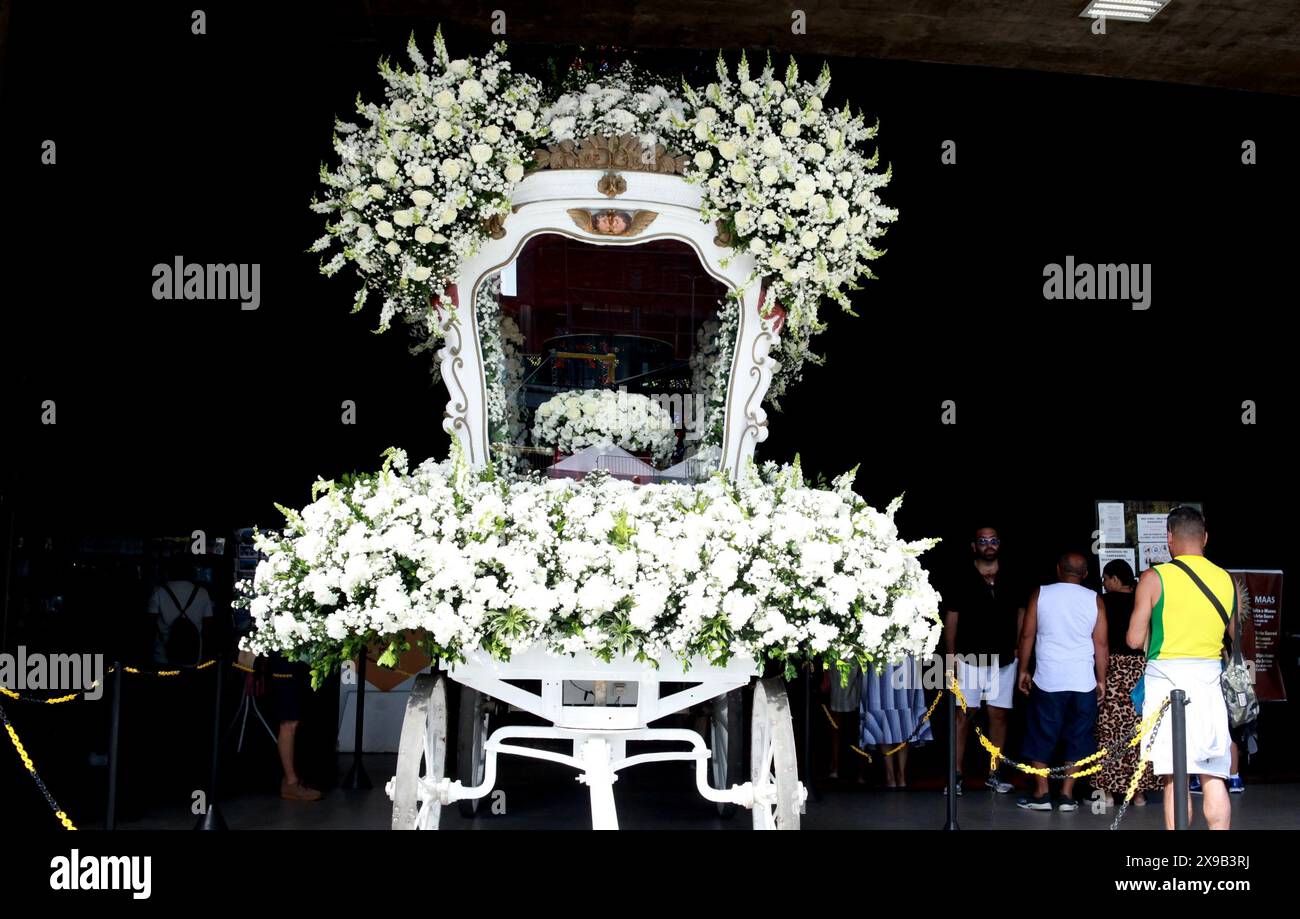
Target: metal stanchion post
1177,706
115,724
357,779
952,755
212,819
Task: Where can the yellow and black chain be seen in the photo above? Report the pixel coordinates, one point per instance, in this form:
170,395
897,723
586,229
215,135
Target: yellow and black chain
31,770
1143,759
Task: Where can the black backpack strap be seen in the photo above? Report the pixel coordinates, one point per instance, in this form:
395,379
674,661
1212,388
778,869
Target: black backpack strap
1218,607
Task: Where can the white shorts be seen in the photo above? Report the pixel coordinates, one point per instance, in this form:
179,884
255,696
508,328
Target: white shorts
1208,740
987,685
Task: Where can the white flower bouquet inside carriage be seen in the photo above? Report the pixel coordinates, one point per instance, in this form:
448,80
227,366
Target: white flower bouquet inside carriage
490,217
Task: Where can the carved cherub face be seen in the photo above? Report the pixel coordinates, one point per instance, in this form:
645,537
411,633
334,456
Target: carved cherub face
611,223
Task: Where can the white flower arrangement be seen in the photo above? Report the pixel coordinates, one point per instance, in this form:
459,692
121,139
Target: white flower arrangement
627,101
711,366
790,177
416,184
766,567
571,421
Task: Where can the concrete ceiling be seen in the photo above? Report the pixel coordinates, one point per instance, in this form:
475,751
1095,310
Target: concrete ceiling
1236,44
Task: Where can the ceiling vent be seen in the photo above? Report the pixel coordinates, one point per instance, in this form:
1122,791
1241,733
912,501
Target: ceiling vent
1127,10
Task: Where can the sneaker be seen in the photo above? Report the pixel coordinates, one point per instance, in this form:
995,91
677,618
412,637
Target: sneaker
945,788
996,783
1235,785
1194,784
1067,805
1035,803
298,792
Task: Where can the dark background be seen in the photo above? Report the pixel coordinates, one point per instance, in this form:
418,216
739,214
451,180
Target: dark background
180,415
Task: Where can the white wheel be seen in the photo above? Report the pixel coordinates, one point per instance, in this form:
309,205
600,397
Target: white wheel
774,772
421,756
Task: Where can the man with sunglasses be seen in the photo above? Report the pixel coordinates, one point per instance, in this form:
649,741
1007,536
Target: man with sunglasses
983,612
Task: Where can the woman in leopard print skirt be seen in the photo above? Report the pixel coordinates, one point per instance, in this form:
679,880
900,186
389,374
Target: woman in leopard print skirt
1117,718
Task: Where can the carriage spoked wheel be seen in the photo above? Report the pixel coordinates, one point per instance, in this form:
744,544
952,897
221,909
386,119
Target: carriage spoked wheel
421,756
774,772
727,744
478,716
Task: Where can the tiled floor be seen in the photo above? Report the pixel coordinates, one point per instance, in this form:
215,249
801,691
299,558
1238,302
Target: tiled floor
539,796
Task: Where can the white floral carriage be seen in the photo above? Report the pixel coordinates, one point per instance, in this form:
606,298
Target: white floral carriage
776,569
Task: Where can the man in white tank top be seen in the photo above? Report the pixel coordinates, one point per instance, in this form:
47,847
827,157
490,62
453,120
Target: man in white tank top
1065,629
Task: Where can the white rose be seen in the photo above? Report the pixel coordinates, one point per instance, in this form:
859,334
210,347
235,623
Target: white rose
492,133
392,248
707,114
808,240
839,207
364,231
739,172
480,153
704,159
815,152
818,204
442,130
459,67
385,169
384,229
834,138
789,129
757,245
471,89
839,236
524,120
776,88
728,149
744,114
422,175
423,235
421,273
805,186
789,107
376,191
771,147
769,175
778,261
749,88
444,99
450,169
421,197
402,111
701,131
448,215
402,218
815,104
514,172
400,140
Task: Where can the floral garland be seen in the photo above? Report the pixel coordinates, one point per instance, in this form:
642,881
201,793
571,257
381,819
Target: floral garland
418,183
503,369
571,421
765,567
715,344
787,177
